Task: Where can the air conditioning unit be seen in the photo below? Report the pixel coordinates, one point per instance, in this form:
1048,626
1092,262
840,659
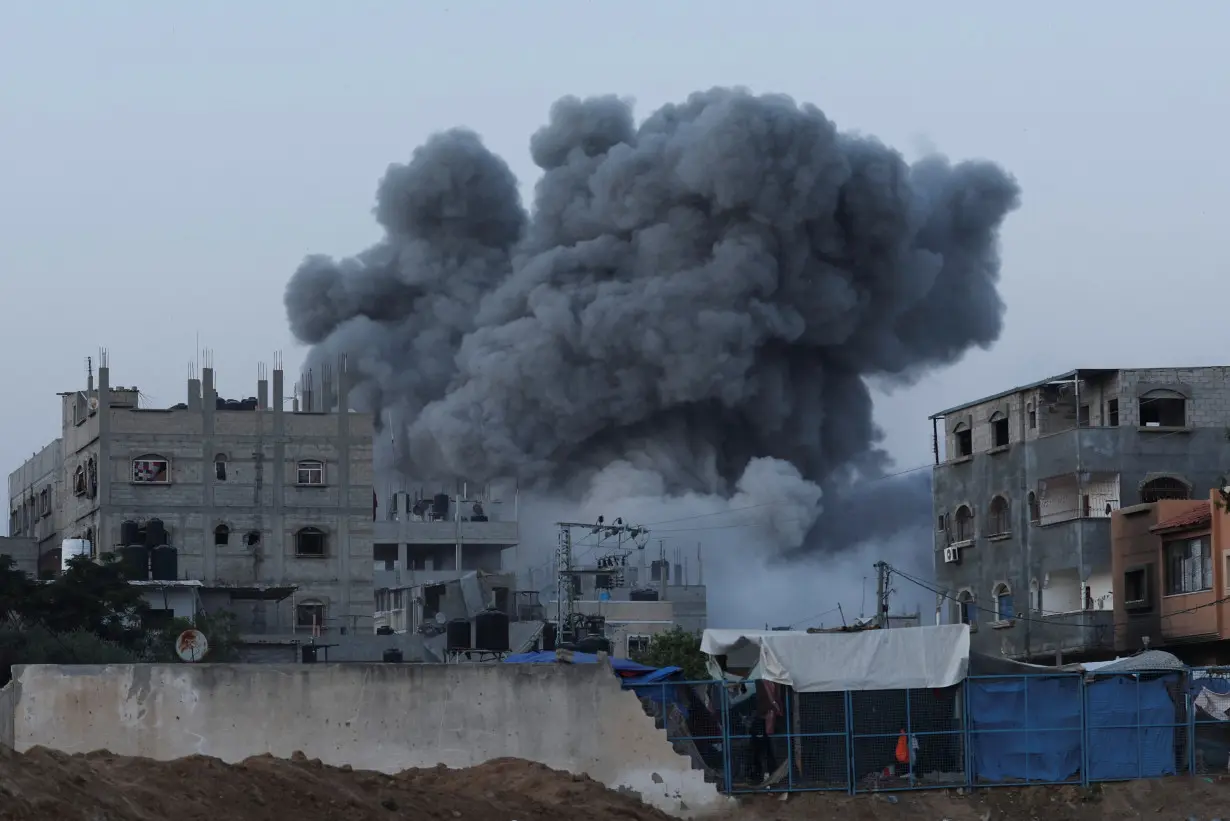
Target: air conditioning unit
952,555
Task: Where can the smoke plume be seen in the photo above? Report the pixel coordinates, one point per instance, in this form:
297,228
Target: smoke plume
690,312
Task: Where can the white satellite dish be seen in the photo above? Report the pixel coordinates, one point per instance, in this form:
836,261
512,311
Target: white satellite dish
441,618
191,645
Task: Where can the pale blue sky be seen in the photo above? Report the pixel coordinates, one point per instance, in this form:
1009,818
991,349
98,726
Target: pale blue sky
165,166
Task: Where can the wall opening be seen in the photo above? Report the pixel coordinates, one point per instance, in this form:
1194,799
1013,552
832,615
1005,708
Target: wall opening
1163,409
1164,487
222,535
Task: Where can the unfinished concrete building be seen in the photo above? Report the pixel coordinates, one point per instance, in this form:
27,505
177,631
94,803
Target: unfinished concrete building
1025,484
268,508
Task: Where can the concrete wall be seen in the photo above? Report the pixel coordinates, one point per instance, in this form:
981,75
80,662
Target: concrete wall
7,706
386,717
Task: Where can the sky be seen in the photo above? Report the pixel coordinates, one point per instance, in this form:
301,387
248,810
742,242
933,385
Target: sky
164,167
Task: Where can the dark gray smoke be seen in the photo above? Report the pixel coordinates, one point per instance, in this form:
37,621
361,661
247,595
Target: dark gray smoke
693,306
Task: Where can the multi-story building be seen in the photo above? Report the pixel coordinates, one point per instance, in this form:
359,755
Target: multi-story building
269,509
1026,482
437,532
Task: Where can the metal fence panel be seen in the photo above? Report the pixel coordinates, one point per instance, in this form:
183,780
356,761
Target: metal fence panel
1025,729
1136,725
1208,699
907,739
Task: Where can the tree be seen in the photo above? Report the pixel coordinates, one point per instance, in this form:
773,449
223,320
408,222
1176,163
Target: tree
676,648
90,596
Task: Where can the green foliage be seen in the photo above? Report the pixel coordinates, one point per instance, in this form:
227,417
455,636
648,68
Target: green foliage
22,643
676,648
220,629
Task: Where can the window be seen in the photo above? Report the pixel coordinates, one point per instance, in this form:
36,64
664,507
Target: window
965,524
1136,587
1112,413
939,524
1003,603
1082,416
220,467
252,538
1035,510
1163,409
1189,566
151,470
310,542
637,645
44,502
1001,523
311,473
222,535
310,614
999,430
1035,596
79,481
1164,487
91,478
1033,416
967,610
964,440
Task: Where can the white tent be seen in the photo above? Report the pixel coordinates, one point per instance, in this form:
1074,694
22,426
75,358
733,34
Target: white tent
907,658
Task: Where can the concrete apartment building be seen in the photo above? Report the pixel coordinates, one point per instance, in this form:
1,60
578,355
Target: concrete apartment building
1171,563
269,510
1027,481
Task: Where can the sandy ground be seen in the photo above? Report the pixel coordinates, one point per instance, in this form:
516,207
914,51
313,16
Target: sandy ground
103,787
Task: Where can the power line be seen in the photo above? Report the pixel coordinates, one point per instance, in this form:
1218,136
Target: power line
973,604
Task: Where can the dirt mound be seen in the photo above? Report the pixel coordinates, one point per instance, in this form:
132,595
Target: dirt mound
102,787
1168,798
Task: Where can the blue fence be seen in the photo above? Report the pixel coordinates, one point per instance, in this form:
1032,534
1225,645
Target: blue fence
988,731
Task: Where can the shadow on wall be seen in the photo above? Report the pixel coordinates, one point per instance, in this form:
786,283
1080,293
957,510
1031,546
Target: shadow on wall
384,717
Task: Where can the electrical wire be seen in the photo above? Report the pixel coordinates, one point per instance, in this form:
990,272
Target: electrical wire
976,606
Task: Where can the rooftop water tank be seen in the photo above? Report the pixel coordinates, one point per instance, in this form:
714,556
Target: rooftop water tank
164,564
457,635
134,562
491,631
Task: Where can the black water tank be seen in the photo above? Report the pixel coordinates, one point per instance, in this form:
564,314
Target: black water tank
134,562
130,532
548,636
439,506
644,594
593,644
595,625
491,631
457,635
384,630
164,564
309,653
155,533
392,656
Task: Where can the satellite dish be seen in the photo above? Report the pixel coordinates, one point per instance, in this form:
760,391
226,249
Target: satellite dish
441,618
191,645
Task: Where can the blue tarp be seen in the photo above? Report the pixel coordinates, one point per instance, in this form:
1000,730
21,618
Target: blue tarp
1026,729
1131,728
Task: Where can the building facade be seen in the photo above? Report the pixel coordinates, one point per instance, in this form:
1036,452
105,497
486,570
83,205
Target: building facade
1171,562
269,509
1026,483
436,532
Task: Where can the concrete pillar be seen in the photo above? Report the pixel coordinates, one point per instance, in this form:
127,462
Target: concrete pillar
209,403
343,498
262,394
102,530
275,545
194,395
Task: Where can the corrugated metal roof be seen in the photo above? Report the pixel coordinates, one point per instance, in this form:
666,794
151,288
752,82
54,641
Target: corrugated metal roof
1200,514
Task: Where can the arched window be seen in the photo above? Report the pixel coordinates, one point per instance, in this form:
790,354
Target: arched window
999,430
79,481
966,609
1163,409
310,472
1164,487
222,535
151,469
1035,510
310,543
310,614
220,467
1000,517
964,521
964,440
1003,603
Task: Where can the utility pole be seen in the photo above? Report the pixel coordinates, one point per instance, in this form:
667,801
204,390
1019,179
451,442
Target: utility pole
566,592
663,568
882,592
